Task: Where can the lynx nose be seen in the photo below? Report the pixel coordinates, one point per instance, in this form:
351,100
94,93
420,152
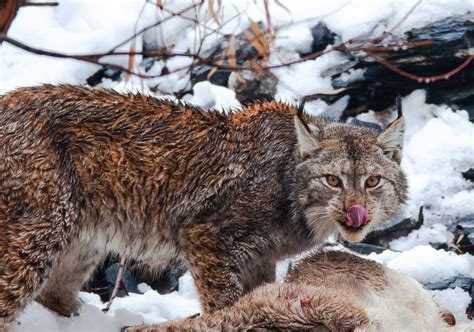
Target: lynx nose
356,216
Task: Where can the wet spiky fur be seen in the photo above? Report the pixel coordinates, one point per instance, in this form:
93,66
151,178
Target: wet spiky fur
86,171
327,291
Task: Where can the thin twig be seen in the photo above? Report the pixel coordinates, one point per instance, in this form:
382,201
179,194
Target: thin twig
404,18
40,4
154,25
118,282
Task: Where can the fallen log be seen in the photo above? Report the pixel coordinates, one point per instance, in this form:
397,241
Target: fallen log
437,57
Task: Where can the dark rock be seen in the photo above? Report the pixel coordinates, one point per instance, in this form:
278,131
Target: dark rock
220,77
379,85
98,283
370,125
466,224
460,281
462,243
129,282
470,111
469,174
164,281
363,248
382,237
439,245
147,63
244,51
111,73
339,69
464,233
253,86
470,237
322,37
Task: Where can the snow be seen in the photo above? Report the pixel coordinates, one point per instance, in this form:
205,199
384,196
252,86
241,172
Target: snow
426,264
439,142
456,300
149,307
37,318
436,233
208,96
439,146
303,84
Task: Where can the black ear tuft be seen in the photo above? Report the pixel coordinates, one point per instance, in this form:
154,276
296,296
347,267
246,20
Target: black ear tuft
398,102
301,109
299,114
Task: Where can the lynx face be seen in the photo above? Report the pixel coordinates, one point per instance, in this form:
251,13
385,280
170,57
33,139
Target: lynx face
350,177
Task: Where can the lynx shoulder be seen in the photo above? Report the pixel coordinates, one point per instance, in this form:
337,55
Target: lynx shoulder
87,171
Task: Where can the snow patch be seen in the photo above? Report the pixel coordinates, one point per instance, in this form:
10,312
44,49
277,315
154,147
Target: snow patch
455,300
208,95
427,264
436,233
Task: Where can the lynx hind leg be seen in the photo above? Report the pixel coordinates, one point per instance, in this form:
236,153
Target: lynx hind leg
29,246
73,269
214,266
277,306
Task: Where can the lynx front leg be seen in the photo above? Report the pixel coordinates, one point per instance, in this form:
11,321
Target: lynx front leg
67,278
214,266
260,273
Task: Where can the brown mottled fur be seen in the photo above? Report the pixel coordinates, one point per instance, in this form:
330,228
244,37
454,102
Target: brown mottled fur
327,291
330,267
157,180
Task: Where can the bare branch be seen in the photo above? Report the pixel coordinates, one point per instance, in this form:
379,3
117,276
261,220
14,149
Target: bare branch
118,281
154,25
40,4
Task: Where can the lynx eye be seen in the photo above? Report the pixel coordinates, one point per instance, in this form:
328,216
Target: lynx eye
372,181
333,180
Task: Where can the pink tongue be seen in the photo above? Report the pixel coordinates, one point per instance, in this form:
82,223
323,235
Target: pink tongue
356,216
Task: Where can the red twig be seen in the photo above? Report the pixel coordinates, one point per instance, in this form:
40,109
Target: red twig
426,79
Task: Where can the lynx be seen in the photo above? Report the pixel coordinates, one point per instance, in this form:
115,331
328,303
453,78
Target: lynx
327,291
88,171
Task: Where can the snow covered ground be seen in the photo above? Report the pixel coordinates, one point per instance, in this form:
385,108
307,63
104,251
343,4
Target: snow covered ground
439,143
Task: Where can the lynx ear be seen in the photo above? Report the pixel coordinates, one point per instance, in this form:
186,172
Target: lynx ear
391,139
306,140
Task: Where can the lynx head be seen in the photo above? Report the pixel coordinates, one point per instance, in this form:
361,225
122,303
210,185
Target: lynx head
349,178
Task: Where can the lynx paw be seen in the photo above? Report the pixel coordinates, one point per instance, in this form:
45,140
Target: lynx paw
137,328
66,306
6,326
